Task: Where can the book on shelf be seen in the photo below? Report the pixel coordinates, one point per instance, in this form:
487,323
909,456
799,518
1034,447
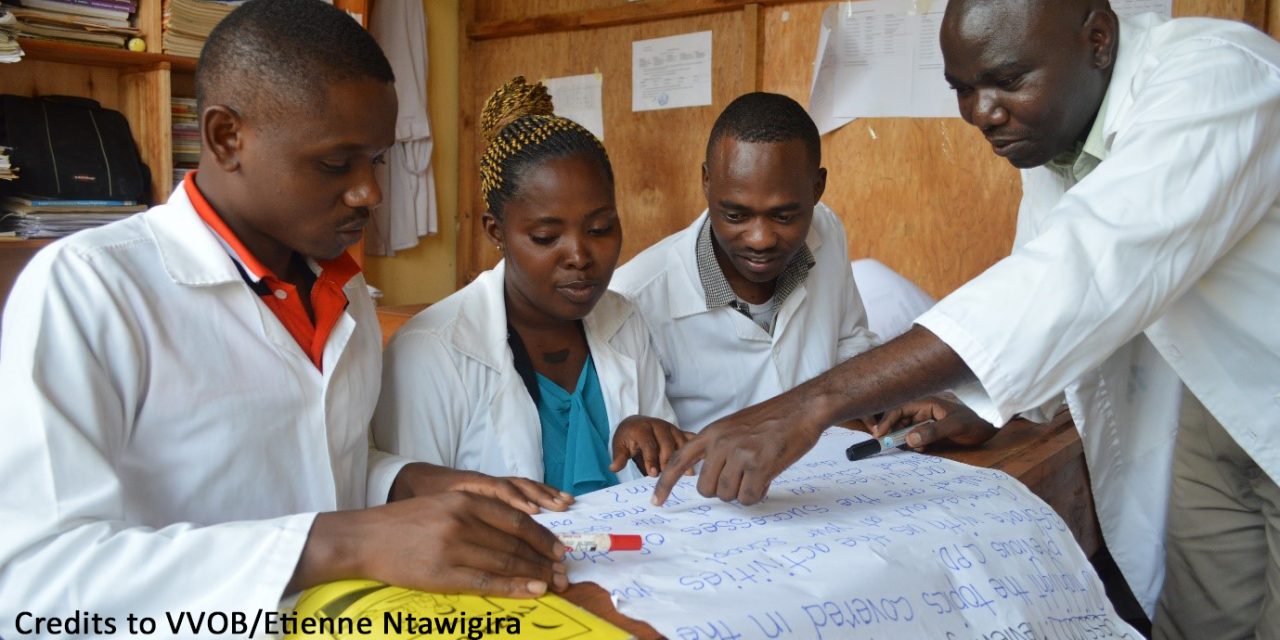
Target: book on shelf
71,34
7,170
54,206
112,9
186,136
187,23
67,20
113,5
55,225
60,203
35,217
10,50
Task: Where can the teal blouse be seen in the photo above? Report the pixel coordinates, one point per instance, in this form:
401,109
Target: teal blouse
575,434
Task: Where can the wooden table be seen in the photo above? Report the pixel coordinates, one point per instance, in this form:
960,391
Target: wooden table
14,255
1047,458
394,317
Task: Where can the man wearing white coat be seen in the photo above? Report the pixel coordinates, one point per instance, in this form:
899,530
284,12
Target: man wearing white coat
187,392
755,296
1145,263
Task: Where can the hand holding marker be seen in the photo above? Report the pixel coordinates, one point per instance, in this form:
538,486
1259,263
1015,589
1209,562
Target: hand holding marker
888,442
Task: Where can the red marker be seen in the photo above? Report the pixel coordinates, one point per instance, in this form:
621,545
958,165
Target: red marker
601,542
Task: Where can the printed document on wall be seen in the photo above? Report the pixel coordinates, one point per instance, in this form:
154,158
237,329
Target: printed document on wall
822,99
1134,7
671,72
881,59
578,98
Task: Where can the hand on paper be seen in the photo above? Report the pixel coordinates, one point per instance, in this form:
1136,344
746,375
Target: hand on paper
649,442
420,479
450,542
745,451
953,423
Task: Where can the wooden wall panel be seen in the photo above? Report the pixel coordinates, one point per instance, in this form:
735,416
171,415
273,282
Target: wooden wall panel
41,78
144,97
1251,11
925,196
496,10
656,155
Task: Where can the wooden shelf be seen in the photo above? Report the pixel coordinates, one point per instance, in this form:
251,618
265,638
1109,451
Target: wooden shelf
80,54
29,245
14,255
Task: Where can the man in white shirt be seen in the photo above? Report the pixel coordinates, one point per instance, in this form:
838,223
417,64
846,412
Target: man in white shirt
755,296
1145,262
187,392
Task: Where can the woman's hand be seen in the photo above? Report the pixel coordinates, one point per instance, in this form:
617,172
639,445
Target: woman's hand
649,442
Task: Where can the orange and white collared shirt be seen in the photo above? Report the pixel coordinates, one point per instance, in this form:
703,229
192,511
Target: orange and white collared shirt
327,298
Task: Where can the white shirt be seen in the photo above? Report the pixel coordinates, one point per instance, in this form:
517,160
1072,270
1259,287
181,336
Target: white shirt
892,301
1168,250
167,442
408,210
451,394
718,361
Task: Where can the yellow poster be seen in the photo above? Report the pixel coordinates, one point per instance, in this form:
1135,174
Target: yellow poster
362,609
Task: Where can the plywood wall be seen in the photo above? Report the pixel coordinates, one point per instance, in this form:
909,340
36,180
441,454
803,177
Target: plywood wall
924,196
656,155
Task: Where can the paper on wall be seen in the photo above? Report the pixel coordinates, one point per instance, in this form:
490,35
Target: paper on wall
822,98
579,98
894,546
671,72
882,58
1134,7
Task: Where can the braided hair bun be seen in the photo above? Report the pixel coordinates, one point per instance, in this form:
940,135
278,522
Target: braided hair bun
515,99
519,123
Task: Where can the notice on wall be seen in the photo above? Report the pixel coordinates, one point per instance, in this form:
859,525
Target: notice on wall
672,72
880,58
579,98
900,545
1134,7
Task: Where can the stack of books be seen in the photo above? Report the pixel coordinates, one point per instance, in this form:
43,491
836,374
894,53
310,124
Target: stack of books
187,23
7,170
29,217
96,22
186,137
10,50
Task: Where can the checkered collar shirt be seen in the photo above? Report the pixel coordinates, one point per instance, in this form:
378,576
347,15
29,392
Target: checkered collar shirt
716,287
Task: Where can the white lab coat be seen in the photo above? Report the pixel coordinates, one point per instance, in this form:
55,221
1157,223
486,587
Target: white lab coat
719,361
892,301
167,442
1160,265
408,210
451,394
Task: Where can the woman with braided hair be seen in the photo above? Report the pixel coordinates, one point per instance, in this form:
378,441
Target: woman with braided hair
535,369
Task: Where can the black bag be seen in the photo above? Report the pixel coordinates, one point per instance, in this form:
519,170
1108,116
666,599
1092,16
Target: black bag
72,148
